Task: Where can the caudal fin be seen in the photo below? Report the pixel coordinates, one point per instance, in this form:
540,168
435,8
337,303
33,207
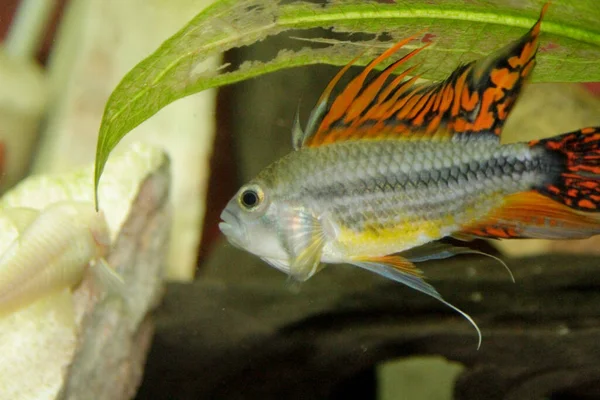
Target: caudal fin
576,181
566,205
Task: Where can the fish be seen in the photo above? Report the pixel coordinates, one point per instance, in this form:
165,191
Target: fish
390,166
52,251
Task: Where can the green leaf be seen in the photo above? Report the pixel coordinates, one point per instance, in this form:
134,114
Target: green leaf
462,30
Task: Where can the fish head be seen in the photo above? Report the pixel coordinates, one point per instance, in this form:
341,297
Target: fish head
250,222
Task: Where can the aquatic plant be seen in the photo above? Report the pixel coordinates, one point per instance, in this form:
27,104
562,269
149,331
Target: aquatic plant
461,30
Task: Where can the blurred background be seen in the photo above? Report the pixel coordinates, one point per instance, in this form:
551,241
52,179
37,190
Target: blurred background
52,92
225,176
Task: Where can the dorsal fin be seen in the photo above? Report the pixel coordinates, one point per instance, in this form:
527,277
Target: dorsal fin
475,98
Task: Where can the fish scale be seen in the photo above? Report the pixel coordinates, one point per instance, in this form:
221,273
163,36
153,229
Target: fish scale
389,166
382,185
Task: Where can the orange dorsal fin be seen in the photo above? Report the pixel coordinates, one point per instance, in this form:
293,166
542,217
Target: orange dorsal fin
475,98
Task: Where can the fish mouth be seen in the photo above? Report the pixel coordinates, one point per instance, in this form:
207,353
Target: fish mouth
232,228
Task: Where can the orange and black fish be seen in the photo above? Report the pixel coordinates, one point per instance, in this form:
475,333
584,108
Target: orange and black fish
391,166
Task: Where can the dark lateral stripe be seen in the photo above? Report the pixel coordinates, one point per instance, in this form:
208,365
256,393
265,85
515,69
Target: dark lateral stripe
469,172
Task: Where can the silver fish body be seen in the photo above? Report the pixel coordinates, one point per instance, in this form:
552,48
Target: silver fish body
389,166
393,189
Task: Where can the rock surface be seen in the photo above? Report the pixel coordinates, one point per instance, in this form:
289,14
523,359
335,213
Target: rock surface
91,343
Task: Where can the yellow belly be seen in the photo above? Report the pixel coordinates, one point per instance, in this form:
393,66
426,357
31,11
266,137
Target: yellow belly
379,241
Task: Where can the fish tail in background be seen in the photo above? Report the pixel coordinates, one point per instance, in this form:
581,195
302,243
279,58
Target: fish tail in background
576,183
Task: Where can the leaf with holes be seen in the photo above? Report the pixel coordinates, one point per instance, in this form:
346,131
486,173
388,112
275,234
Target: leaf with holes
461,30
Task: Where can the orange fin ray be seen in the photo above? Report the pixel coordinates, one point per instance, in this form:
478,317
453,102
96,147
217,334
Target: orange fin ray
476,98
388,97
533,215
401,270
374,89
493,84
326,118
299,136
348,97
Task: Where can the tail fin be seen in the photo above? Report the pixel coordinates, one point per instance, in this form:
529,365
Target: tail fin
577,180
566,206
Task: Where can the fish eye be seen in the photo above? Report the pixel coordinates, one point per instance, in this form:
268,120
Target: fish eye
251,197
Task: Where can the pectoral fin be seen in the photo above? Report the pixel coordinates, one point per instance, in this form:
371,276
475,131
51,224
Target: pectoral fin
304,239
401,270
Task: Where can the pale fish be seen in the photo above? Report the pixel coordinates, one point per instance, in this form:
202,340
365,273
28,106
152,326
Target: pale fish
52,251
389,167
